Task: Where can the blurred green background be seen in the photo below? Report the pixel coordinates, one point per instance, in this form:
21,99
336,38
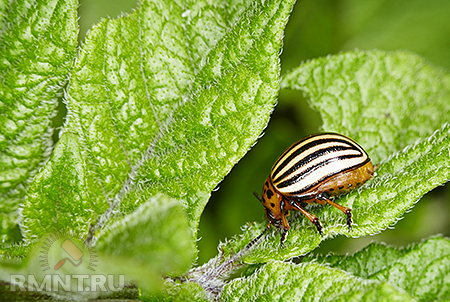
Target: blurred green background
318,28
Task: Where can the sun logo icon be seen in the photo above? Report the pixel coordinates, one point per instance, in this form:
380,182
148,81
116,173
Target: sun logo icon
64,248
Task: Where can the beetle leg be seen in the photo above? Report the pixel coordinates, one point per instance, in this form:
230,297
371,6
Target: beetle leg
308,215
283,237
345,210
284,222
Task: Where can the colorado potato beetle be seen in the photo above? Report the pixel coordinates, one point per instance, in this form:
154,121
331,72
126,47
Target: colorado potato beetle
316,168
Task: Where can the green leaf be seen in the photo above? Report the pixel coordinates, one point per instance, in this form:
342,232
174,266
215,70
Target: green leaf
422,270
154,112
152,242
385,101
13,251
377,272
276,281
364,263
176,291
58,188
154,239
37,48
359,111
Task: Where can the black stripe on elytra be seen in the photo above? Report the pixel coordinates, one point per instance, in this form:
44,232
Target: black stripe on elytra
296,178
305,160
304,148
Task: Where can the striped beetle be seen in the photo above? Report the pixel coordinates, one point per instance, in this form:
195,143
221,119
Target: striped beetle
315,168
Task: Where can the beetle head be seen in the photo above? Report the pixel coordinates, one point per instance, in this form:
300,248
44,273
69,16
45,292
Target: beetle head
271,200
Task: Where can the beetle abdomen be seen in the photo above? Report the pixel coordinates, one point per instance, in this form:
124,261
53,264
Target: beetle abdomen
343,183
314,160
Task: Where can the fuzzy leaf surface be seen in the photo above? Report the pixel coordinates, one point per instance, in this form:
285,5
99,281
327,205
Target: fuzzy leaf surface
153,241
58,188
38,41
276,281
383,100
422,270
155,114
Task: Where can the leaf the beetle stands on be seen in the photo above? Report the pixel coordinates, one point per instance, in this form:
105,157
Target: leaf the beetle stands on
278,280
400,267
376,273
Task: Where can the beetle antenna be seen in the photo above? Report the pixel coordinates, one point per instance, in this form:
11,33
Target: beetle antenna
255,240
257,196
